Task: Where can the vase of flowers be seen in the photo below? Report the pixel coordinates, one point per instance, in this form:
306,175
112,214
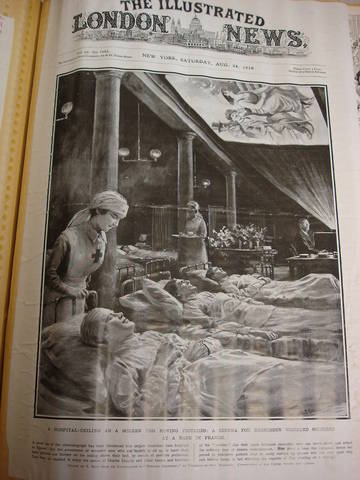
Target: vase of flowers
226,242
250,235
224,238
238,236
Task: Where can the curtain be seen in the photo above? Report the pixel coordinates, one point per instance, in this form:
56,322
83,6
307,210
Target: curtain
302,173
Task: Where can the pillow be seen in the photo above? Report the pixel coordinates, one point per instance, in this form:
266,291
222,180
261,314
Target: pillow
162,283
160,298
135,300
71,368
195,273
139,310
146,316
56,337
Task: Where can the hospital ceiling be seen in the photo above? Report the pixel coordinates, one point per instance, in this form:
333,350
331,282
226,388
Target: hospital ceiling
165,102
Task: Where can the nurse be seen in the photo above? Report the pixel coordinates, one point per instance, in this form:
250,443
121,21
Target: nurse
192,242
77,253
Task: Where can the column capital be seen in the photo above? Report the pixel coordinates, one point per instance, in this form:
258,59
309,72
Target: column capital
187,135
231,174
109,73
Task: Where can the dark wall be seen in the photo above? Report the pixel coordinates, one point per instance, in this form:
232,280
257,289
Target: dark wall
71,152
216,193
147,182
142,183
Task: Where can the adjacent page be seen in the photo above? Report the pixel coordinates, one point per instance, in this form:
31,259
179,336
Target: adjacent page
6,40
18,35
354,22
185,293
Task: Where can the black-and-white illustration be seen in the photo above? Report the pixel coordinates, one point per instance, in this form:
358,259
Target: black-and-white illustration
189,273
246,112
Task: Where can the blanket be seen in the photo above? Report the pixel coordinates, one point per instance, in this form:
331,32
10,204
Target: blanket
142,379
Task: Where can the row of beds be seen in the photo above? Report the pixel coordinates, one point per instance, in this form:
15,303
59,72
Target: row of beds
319,361
301,347
268,377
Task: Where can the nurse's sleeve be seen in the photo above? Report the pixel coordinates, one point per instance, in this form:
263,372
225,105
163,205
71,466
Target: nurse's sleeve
59,254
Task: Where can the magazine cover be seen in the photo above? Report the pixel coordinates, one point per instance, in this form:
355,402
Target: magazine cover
203,295
188,263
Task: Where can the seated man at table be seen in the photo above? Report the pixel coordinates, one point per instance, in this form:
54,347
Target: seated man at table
315,291
304,239
210,310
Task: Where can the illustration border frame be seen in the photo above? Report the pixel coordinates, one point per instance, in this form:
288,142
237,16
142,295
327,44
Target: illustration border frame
342,307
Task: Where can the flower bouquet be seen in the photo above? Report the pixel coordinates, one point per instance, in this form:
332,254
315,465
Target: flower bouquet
224,238
238,236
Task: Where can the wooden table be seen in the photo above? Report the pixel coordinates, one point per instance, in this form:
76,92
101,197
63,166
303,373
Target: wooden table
301,266
237,260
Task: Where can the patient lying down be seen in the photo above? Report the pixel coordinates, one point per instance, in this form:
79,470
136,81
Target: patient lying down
97,365
213,309
315,291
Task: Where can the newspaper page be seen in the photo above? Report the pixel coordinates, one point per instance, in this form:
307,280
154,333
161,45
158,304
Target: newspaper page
354,21
187,302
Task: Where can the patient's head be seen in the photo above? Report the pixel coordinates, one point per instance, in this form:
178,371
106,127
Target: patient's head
216,273
180,289
101,325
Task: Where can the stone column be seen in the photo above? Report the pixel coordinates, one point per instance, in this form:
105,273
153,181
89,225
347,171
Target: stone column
231,198
185,173
104,169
